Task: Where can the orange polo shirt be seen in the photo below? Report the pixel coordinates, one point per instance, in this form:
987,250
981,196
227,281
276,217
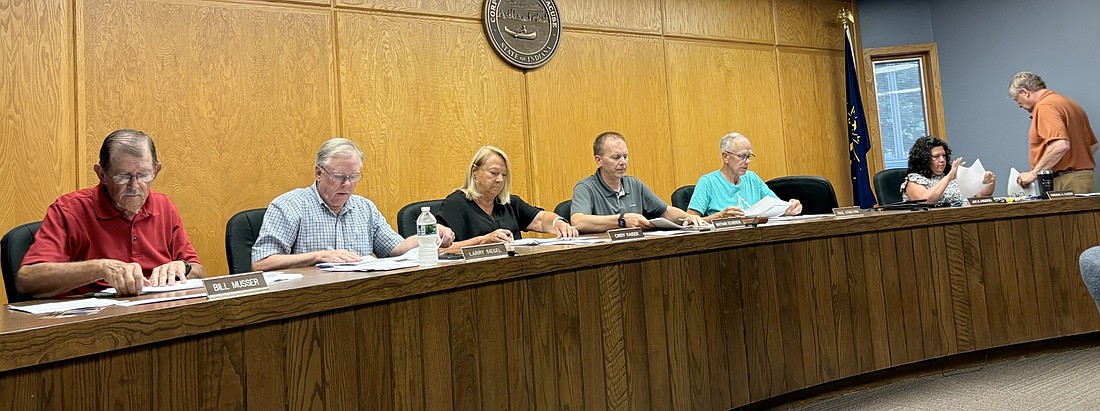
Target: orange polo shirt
1056,117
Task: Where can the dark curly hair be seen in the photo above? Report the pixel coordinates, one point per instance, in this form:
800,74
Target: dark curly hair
920,156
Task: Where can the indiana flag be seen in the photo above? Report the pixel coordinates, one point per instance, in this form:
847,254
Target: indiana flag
858,140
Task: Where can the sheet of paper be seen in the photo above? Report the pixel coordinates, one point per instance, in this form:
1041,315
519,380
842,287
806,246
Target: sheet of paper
1014,190
666,224
529,241
131,303
75,304
970,178
377,264
190,284
768,207
666,233
277,276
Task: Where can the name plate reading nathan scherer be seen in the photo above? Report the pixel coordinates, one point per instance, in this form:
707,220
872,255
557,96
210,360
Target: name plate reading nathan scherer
481,252
234,285
727,222
625,234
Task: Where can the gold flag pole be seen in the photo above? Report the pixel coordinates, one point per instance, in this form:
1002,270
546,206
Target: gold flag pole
845,17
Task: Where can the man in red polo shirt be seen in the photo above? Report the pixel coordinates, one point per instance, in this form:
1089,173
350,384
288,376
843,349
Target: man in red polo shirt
116,234
1060,138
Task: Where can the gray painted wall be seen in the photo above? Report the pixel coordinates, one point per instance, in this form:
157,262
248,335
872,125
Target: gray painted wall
982,43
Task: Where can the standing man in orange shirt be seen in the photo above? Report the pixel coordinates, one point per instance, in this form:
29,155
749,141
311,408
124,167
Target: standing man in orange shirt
1060,138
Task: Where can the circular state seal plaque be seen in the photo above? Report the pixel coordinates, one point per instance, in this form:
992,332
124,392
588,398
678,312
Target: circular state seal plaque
525,33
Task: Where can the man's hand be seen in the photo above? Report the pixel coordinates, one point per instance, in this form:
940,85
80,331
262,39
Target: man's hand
637,220
729,212
126,278
336,256
795,208
694,220
1025,178
166,274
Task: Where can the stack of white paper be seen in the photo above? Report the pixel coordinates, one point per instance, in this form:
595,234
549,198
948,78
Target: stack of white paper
1014,189
54,307
376,264
970,179
768,207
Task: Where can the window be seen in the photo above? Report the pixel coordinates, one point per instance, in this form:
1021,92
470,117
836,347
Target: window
906,81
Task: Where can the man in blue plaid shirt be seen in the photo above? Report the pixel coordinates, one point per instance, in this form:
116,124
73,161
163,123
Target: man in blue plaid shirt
326,222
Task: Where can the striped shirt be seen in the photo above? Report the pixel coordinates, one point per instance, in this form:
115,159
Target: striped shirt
300,222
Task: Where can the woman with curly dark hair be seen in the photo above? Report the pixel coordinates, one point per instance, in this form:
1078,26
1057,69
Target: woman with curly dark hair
933,174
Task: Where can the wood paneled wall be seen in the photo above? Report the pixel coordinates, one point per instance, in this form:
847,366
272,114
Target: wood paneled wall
238,96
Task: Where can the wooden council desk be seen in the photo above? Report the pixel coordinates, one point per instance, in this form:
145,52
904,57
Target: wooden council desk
701,321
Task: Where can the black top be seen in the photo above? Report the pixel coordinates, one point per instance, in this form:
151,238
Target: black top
468,220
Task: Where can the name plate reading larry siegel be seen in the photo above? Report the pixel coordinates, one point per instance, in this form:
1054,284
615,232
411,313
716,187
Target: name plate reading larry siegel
234,285
481,252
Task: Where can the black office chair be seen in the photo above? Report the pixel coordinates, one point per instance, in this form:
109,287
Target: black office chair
682,196
815,193
240,234
888,185
564,209
13,247
406,217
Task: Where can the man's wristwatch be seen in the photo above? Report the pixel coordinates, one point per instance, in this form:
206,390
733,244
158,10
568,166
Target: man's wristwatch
186,268
622,220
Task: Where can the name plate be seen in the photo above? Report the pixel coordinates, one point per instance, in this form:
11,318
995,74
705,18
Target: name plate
234,285
1053,195
980,200
728,222
847,211
625,234
482,252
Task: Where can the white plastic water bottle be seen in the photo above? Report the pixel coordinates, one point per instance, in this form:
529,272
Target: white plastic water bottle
427,235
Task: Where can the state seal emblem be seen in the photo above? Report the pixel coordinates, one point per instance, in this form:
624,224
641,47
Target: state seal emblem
525,33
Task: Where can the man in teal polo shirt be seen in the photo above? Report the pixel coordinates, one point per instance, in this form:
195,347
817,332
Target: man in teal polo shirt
731,189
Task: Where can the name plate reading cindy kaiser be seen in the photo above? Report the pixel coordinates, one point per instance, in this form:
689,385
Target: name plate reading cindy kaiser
623,234
727,222
853,211
482,252
234,285
1054,195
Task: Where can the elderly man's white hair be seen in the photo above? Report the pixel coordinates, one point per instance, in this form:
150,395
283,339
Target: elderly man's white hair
728,141
336,147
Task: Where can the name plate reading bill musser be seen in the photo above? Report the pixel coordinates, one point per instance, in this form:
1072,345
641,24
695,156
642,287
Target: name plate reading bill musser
234,285
525,33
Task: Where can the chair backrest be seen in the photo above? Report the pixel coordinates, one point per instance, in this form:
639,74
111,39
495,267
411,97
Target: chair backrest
563,209
815,193
682,197
888,185
240,234
13,247
406,217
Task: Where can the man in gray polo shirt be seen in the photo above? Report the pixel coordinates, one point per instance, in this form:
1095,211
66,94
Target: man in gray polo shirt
610,199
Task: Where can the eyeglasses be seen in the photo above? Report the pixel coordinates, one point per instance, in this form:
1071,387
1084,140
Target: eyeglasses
743,157
340,178
124,179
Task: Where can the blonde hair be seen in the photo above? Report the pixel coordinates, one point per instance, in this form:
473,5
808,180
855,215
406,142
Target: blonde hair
469,187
